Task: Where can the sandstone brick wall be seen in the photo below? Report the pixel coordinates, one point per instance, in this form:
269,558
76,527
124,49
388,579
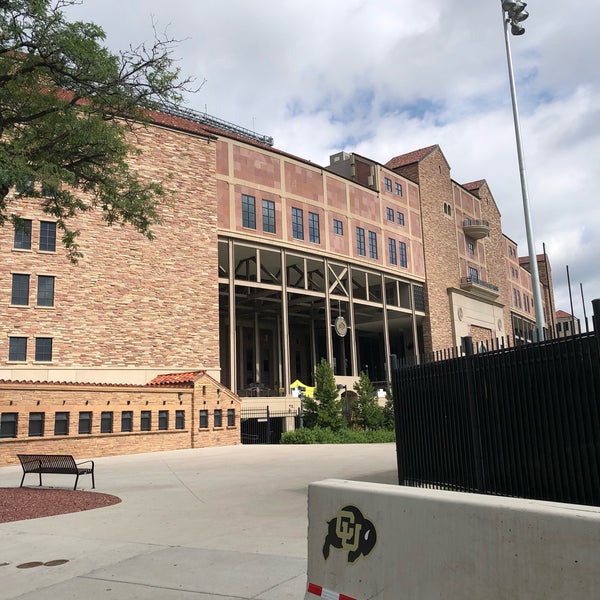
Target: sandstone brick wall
129,302
26,398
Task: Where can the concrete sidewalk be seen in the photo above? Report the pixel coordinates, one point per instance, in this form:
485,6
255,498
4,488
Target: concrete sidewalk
227,523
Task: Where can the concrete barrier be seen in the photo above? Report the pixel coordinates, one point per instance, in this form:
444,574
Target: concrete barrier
376,542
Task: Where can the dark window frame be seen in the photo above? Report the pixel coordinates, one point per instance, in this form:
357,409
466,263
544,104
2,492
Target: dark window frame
217,418
398,189
45,290
20,288
297,223
37,422
61,423
392,251
361,247
231,417
9,422
107,421
268,216
84,426
180,419
402,254
338,227
163,420
203,419
43,349
314,228
47,241
388,184
17,349
400,218
146,420
248,211
389,214
126,421
22,238
373,253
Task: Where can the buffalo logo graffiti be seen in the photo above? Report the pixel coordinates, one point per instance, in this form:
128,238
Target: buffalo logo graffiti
350,531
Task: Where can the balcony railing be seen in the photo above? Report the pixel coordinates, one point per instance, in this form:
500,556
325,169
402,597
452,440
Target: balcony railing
476,229
479,286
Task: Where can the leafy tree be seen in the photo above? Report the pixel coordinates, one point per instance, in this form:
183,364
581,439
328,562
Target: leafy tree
366,412
66,105
325,409
388,411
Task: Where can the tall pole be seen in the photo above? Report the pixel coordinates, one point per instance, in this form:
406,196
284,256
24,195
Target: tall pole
533,265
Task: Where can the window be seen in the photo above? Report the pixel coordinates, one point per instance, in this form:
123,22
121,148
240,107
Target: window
268,214
43,349
314,234
23,235
526,302
447,209
127,420
231,417
372,244
248,211
471,248
17,349
390,214
388,184
163,419
403,256
36,424
20,290
398,189
146,420
338,227
400,217
47,236
106,421
61,423
180,419
297,224
45,290
392,251
218,417
203,421
85,422
8,425
360,241
473,274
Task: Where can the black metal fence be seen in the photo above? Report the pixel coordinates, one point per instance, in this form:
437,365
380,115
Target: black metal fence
264,426
520,421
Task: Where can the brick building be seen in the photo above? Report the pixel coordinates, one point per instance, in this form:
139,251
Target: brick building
263,263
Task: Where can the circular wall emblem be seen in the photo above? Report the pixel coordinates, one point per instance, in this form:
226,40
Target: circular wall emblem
460,314
340,326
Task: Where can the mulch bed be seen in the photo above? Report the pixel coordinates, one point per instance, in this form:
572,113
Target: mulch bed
18,504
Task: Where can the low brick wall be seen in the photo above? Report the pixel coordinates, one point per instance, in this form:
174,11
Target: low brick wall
53,418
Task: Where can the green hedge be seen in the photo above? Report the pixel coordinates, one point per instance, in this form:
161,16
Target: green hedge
318,435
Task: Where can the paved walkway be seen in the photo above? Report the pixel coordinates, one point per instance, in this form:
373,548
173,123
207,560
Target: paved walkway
226,523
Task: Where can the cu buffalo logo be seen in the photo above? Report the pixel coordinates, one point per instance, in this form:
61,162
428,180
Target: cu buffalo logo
350,531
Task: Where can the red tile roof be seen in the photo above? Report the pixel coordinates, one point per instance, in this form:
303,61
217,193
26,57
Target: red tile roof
474,185
176,378
411,157
561,314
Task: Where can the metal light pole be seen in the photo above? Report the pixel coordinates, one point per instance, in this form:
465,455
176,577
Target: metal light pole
513,13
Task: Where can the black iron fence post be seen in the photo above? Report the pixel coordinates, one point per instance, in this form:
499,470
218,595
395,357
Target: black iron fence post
467,344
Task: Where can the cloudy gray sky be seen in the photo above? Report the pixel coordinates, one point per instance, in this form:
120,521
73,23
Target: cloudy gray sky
383,78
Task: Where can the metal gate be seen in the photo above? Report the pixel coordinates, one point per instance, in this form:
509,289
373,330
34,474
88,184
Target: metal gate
264,426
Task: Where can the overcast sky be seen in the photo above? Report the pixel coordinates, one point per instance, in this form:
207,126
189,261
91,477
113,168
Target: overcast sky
383,78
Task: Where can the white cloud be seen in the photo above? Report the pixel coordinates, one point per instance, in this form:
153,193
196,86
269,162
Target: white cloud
385,78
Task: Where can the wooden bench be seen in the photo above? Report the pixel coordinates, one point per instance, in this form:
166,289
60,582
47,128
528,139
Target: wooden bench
55,463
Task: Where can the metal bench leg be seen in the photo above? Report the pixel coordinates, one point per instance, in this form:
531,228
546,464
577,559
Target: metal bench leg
76,480
40,474
22,479
93,482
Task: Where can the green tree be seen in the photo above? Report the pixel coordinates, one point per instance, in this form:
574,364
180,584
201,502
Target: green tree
366,412
325,409
66,106
388,411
